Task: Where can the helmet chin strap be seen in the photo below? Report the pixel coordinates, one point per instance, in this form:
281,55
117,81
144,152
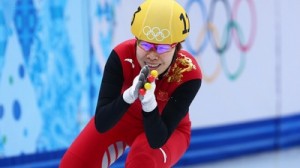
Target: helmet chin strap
177,49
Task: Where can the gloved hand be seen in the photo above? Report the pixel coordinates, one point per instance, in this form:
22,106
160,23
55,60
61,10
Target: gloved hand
131,94
149,100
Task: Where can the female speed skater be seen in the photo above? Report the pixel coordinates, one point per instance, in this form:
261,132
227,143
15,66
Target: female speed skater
150,116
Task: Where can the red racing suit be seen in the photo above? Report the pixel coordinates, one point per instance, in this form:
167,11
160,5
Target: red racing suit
100,149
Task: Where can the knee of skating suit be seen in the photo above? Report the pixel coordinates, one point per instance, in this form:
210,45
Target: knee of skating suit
142,155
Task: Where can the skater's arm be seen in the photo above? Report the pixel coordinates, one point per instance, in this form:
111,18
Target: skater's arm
159,128
110,106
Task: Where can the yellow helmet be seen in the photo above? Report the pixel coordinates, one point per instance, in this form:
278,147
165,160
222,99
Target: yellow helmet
160,22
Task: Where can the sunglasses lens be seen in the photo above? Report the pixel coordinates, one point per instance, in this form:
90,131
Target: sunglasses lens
146,46
163,48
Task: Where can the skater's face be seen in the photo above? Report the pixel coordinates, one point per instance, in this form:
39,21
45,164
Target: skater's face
156,56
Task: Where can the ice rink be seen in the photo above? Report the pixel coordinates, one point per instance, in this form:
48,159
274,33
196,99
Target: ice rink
285,158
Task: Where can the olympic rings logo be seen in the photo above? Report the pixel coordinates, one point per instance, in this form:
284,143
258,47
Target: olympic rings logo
156,33
209,33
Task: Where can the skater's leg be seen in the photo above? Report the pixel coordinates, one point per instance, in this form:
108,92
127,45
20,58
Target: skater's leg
92,149
142,155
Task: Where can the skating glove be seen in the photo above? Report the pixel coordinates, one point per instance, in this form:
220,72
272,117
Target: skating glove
148,100
132,93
